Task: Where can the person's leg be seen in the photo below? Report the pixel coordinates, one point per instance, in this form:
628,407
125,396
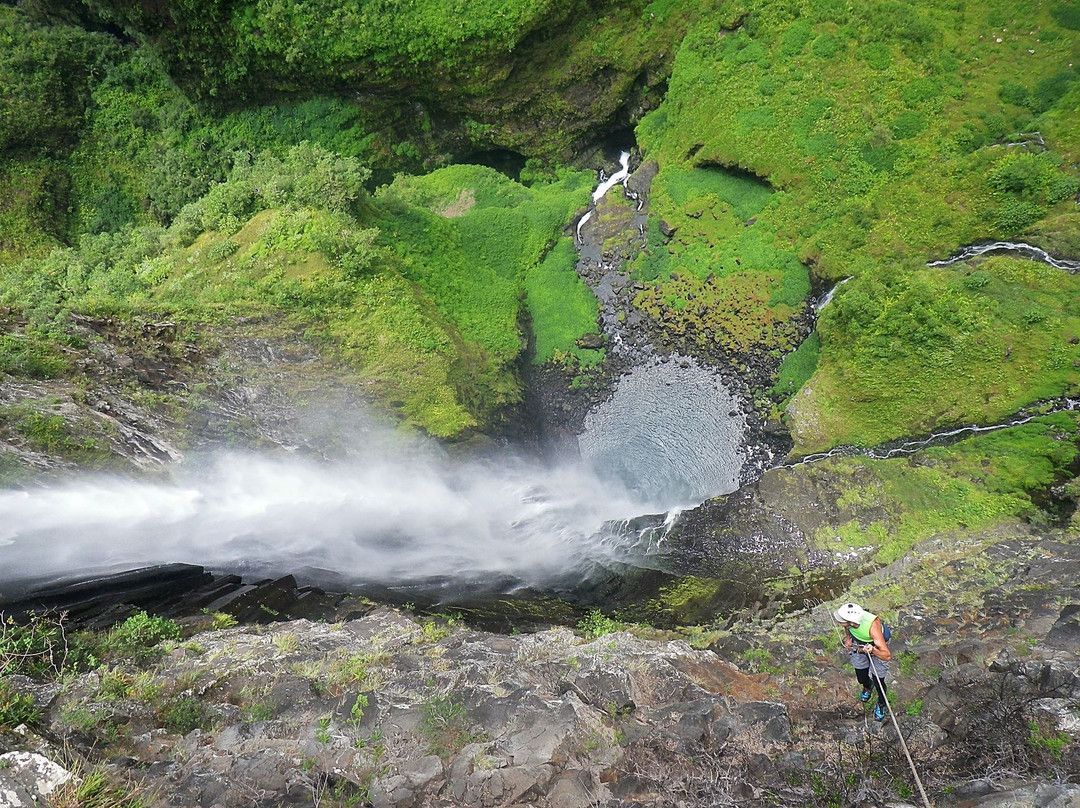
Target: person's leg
878,672
863,675
881,688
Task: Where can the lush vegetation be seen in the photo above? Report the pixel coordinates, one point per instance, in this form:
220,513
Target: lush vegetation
419,286
893,504
218,168
723,279
220,49
905,354
896,133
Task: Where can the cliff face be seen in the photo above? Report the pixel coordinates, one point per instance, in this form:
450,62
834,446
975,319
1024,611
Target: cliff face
220,281
538,79
388,709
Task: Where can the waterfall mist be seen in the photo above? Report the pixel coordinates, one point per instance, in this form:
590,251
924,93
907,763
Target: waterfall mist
387,518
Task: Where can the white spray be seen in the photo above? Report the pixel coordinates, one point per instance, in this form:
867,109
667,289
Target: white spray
384,520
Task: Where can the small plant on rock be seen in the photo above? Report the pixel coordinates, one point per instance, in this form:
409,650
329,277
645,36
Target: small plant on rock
40,647
183,714
1052,743
16,708
445,726
358,707
137,638
286,643
222,620
596,624
94,789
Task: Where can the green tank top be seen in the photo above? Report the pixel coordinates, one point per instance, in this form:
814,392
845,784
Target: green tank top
861,632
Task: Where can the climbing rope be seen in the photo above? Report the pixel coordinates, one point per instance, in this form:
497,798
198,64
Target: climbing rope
892,716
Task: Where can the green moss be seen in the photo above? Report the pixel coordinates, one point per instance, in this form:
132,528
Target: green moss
730,313
970,486
722,282
881,170
689,600
797,368
561,307
903,353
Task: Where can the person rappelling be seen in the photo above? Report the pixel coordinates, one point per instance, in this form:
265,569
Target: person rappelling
867,639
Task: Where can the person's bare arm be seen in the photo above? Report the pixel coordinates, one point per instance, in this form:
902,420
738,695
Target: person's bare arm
881,648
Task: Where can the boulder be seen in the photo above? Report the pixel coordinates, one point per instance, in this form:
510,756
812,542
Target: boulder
28,779
1044,795
606,687
1065,633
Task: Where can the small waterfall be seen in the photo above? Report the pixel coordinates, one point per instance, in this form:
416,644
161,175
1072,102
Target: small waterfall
618,177
826,298
605,185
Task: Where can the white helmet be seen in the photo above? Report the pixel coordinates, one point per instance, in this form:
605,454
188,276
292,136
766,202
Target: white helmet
849,613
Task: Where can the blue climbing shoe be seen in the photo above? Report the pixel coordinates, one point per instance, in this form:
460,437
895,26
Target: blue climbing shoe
879,712
864,696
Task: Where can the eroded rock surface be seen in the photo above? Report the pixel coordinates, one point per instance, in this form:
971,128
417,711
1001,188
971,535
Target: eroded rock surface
390,709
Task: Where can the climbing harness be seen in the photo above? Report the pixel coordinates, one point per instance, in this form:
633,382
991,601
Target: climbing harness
892,715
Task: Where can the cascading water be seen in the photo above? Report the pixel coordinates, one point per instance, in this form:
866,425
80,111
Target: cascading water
669,437
1020,248
384,520
672,430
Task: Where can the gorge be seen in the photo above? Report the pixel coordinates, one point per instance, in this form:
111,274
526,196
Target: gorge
486,404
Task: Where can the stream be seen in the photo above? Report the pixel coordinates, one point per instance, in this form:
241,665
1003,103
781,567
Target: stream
942,437
1010,247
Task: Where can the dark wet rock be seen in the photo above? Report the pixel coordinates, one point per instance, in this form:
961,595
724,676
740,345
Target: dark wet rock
1065,633
591,341
149,587
173,590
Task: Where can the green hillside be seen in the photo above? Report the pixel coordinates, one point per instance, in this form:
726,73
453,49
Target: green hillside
892,133
315,163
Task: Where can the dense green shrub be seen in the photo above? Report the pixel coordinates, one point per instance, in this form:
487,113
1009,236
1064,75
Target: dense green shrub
16,708
795,38
31,354
137,638
45,74
1067,15
825,46
36,648
307,176
182,714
